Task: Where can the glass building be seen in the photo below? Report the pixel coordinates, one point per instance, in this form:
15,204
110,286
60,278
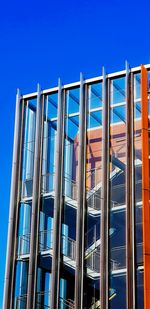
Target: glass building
79,222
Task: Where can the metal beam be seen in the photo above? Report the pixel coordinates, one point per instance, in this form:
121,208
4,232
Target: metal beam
79,274
31,292
104,286
129,195
14,203
54,297
87,81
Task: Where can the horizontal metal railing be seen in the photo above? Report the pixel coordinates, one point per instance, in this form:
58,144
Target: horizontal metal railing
26,188
47,183
45,242
93,262
117,258
66,304
93,194
21,301
43,301
23,244
68,247
93,178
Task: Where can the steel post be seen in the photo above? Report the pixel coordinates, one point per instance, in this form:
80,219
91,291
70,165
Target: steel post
32,274
104,286
79,274
58,201
13,213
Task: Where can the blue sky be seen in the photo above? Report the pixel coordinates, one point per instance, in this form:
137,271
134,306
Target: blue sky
43,40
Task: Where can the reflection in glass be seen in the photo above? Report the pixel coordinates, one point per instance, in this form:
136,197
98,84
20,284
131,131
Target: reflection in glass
93,193
70,178
49,144
117,239
139,289
24,229
21,279
45,236
28,149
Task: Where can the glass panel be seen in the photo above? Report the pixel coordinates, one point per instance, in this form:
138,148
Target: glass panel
137,110
28,149
46,225
73,101
118,91
117,230
93,193
68,230
117,292
139,289
21,279
95,120
43,283
24,229
51,106
118,114
49,144
137,86
47,202
95,95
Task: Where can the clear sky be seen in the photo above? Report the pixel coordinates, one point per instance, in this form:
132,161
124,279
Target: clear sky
43,40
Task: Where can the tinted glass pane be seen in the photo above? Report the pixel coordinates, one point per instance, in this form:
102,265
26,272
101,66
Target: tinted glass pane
117,230
72,101
70,178
93,193
118,91
95,96
28,149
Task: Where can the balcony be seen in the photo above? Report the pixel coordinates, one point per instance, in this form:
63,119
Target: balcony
117,261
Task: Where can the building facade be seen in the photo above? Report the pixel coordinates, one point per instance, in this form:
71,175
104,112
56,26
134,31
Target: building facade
79,222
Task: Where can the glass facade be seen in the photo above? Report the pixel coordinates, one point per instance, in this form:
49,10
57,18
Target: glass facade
44,149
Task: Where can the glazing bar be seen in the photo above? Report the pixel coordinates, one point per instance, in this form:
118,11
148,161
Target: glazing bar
104,286
79,275
58,201
35,203
129,193
11,242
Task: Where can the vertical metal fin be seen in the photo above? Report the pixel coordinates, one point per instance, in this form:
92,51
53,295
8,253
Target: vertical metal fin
79,275
13,213
58,200
31,293
129,192
104,289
